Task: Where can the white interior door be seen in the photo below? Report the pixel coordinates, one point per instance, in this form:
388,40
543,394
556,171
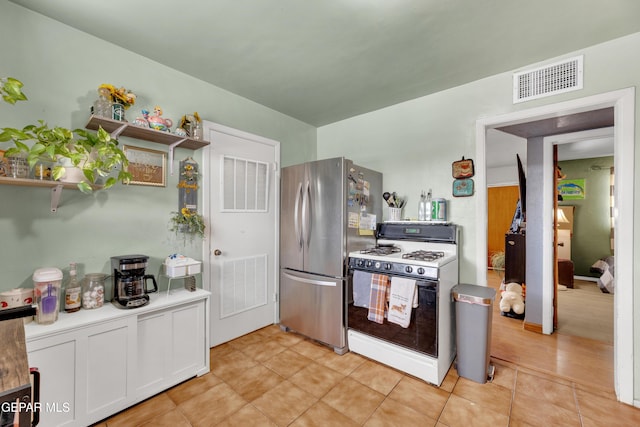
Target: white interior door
241,203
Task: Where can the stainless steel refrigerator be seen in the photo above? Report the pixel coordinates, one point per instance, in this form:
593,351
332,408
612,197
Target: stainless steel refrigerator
328,209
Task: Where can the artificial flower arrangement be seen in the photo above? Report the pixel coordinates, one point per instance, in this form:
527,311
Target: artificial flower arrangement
188,119
190,125
188,222
119,95
189,172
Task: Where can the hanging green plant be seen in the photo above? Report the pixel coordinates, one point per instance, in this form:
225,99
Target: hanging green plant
11,90
97,155
187,222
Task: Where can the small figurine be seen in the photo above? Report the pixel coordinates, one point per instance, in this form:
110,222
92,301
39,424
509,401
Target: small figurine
157,122
142,121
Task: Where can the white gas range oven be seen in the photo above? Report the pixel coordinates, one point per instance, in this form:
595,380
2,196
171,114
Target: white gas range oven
406,253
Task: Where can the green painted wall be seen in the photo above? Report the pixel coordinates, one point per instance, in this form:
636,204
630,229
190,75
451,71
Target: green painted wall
62,69
591,225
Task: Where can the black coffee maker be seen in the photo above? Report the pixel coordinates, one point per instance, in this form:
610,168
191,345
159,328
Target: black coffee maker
130,281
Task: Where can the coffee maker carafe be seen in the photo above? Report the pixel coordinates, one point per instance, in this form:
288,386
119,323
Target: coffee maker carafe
130,281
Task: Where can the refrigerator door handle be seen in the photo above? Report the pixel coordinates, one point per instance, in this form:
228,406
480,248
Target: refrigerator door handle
305,213
296,215
310,281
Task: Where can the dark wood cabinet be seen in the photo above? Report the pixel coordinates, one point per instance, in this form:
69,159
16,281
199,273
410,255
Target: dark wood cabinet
514,258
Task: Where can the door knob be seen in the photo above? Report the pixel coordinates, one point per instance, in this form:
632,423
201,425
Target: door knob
217,252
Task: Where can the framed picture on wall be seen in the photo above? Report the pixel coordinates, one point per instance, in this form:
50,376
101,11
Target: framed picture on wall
572,189
146,166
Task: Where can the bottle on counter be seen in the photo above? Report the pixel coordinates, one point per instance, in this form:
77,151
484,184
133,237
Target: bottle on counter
73,291
422,207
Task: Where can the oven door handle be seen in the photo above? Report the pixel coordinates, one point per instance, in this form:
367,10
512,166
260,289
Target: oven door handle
296,215
310,281
36,396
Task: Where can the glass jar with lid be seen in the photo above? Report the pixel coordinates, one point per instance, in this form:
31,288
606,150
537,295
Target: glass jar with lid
93,290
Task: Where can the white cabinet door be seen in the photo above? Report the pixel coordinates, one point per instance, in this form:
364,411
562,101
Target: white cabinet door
154,330
107,370
171,347
188,348
55,358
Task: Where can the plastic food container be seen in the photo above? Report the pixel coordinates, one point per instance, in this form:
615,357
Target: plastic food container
177,265
47,286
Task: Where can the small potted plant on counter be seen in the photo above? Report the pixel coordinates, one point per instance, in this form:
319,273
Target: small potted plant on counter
95,155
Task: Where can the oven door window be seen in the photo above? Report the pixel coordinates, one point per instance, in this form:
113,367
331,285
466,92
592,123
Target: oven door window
422,333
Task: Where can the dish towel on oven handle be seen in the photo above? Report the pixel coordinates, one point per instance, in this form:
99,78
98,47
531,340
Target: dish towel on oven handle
401,299
378,297
361,288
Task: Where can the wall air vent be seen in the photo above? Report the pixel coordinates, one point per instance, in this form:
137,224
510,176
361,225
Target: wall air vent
552,79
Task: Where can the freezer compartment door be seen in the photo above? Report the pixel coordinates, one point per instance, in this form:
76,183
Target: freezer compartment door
313,306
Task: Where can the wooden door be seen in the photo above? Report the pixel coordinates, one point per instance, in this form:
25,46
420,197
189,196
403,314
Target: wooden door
501,204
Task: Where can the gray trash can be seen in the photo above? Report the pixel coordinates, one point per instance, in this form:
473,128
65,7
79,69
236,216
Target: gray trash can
474,313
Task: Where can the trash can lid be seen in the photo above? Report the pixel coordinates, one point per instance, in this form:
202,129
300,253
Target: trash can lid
473,294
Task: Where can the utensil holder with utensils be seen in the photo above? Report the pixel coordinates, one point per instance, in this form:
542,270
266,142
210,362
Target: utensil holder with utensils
395,214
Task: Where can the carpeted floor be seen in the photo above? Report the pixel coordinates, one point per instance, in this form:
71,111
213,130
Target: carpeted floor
586,312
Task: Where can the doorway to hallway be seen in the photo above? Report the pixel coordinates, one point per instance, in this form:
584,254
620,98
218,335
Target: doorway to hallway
540,293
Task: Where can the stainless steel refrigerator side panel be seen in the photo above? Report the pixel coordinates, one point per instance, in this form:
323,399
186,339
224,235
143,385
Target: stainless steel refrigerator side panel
291,244
324,214
356,241
312,306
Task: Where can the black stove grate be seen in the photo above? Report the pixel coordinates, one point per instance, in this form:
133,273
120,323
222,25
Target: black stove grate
381,250
423,255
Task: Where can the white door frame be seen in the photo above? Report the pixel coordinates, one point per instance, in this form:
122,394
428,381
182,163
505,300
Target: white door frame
208,248
623,102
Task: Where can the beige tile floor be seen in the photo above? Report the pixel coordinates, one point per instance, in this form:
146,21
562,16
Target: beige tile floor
273,378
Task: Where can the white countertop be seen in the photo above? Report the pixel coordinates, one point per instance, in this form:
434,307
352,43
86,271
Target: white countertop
158,301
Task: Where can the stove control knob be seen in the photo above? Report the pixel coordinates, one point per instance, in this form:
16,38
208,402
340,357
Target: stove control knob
369,263
377,265
360,263
388,266
420,270
408,269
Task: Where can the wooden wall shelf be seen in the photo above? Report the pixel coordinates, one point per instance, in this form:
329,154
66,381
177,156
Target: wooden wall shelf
117,128
27,182
55,186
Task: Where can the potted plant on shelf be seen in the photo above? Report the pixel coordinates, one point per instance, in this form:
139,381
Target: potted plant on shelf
96,155
189,223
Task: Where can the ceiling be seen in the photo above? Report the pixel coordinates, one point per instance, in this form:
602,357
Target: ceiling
324,61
